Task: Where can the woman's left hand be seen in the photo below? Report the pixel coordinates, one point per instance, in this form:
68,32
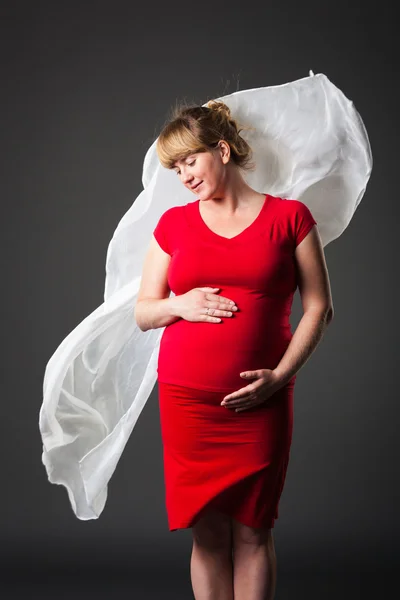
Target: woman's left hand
257,392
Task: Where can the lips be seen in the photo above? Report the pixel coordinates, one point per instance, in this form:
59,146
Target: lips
196,186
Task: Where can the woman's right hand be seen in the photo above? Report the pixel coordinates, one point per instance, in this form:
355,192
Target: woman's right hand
193,305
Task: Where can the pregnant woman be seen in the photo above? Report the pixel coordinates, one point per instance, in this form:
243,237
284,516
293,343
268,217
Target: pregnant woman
228,359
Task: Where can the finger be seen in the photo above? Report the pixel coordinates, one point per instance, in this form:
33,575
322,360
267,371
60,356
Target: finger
237,399
209,319
222,307
218,310
239,403
241,393
219,299
250,375
215,315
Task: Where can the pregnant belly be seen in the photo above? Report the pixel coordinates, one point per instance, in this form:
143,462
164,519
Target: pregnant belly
212,355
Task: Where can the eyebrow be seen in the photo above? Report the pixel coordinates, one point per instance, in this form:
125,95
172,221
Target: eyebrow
181,160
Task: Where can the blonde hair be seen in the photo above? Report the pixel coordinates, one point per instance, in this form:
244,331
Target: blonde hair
193,128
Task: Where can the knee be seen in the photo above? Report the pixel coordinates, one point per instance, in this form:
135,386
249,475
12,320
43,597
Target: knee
213,531
244,535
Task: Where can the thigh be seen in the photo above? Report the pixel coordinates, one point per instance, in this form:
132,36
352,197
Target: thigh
213,529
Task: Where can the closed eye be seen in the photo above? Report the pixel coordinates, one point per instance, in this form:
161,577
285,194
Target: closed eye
189,165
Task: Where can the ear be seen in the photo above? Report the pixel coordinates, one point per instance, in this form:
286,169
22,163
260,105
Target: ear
225,151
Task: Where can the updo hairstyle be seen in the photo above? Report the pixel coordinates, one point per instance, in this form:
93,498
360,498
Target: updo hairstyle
193,128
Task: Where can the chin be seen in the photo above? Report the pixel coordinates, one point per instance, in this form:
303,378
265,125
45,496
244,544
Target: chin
203,194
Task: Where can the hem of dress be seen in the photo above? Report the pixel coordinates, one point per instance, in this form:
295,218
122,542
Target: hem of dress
190,523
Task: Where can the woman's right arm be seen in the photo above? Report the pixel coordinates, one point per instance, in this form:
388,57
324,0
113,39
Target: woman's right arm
154,306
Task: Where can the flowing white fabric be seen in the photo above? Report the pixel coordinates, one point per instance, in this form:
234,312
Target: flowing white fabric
309,144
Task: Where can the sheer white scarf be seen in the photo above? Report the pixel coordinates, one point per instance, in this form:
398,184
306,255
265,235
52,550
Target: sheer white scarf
309,144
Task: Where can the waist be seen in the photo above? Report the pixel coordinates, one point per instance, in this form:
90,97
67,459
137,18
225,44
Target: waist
253,332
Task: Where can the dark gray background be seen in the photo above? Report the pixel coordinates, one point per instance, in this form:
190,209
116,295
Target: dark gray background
84,92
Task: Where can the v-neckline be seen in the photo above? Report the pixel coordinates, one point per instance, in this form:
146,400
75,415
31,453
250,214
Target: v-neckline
238,236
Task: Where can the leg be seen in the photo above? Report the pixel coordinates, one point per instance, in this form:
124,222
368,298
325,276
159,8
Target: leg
254,563
211,566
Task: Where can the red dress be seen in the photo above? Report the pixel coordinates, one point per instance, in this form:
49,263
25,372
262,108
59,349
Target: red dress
214,456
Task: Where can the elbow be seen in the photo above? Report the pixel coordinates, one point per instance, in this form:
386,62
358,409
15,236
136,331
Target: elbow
141,328
136,316
329,314
325,312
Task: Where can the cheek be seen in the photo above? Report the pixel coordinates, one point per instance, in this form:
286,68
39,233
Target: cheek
209,173
219,174
202,175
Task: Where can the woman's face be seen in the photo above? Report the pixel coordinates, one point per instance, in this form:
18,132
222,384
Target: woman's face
204,172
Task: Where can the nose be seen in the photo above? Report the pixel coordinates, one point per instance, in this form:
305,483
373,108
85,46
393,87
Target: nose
186,177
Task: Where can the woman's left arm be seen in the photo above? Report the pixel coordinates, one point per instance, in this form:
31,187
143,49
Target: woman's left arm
316,299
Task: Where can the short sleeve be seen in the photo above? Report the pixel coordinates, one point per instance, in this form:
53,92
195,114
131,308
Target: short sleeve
303,221
161,232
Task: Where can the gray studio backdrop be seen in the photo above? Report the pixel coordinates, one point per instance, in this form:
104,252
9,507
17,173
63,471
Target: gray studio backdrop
84,95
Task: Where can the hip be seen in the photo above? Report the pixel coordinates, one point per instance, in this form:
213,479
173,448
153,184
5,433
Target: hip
190,416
